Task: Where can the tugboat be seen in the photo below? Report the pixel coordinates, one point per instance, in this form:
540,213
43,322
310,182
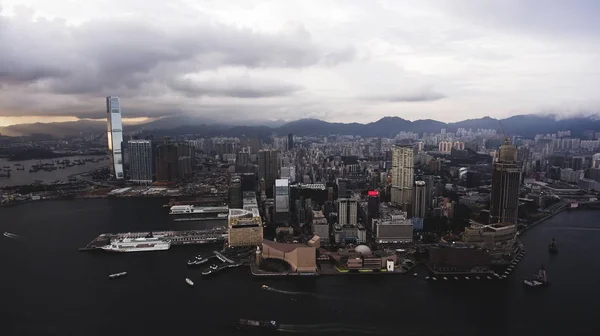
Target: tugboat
552,247
253,324
539,280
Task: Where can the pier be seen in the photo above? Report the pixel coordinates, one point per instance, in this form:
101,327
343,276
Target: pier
183,237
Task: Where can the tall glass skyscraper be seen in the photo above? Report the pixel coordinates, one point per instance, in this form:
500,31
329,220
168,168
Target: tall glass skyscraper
115,136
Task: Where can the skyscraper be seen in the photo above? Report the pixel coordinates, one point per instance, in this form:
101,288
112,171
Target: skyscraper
420,200
115,136
290,141
506,177
166,162
140,161
268,167
402,174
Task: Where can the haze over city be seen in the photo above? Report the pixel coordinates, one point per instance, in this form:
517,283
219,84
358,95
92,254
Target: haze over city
340,61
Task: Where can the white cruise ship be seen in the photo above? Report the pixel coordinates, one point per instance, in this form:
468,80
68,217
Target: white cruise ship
137,245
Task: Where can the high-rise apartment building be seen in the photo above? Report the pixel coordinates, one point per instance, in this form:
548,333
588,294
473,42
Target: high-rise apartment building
166,162
268,168
402,174
506,178
420,200
115,136
140,161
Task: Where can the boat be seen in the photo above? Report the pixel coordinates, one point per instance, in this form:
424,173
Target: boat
265,287
255,324
198,260
222,215
117,275
148,243
210,270
189,282
552,247
538,280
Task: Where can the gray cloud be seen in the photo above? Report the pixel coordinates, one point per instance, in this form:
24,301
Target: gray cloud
238,88
136,59
420,96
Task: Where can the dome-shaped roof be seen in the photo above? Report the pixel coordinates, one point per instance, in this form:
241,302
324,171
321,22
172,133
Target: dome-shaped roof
363,249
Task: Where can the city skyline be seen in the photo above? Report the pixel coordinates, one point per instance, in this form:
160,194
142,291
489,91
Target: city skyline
336,61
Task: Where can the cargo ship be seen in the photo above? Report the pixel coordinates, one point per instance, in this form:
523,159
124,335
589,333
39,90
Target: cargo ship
254,324
148,243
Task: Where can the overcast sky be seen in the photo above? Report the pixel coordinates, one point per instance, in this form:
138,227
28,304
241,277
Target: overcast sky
341,61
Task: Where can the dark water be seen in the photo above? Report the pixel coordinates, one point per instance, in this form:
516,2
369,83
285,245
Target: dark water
21,177
49,288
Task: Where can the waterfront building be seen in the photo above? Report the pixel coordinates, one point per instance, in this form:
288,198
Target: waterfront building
115,137
245,227
506,179
499,239
396,229
140,161
402,174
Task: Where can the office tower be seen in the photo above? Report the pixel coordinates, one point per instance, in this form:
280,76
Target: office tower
352,212
373,204
282,202
166,162
343,211
420,200
268,167
402,174
115,137
140,161
342,186
506,177
290,142
429,192
235,192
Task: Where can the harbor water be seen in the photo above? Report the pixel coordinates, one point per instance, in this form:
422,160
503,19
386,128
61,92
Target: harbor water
49,288
22,177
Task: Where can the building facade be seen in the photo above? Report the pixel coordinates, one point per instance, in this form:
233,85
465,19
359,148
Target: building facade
506,180
140,161
420,200
402,174
115,137
268,168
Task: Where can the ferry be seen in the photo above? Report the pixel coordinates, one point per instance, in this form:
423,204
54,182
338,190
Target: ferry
148,243
117,275
254,324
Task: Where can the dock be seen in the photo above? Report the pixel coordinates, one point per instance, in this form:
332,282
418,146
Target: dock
182,237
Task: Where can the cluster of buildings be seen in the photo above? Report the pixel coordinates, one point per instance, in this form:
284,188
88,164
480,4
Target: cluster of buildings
348,191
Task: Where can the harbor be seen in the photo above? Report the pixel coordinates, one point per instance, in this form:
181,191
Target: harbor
215,235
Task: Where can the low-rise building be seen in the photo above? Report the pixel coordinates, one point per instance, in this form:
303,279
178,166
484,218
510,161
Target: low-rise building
245,227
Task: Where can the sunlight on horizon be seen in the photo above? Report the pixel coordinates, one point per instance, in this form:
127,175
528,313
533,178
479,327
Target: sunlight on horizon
9,121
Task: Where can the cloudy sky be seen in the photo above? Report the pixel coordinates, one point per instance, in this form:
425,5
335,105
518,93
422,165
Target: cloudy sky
342,61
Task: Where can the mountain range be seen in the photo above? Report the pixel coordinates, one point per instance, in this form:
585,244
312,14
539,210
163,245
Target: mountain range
524,125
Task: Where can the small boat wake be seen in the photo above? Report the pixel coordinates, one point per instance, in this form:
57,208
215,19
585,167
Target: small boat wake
14,236
328,328
271,289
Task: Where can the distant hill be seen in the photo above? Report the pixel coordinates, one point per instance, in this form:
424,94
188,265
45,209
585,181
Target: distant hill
524,125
